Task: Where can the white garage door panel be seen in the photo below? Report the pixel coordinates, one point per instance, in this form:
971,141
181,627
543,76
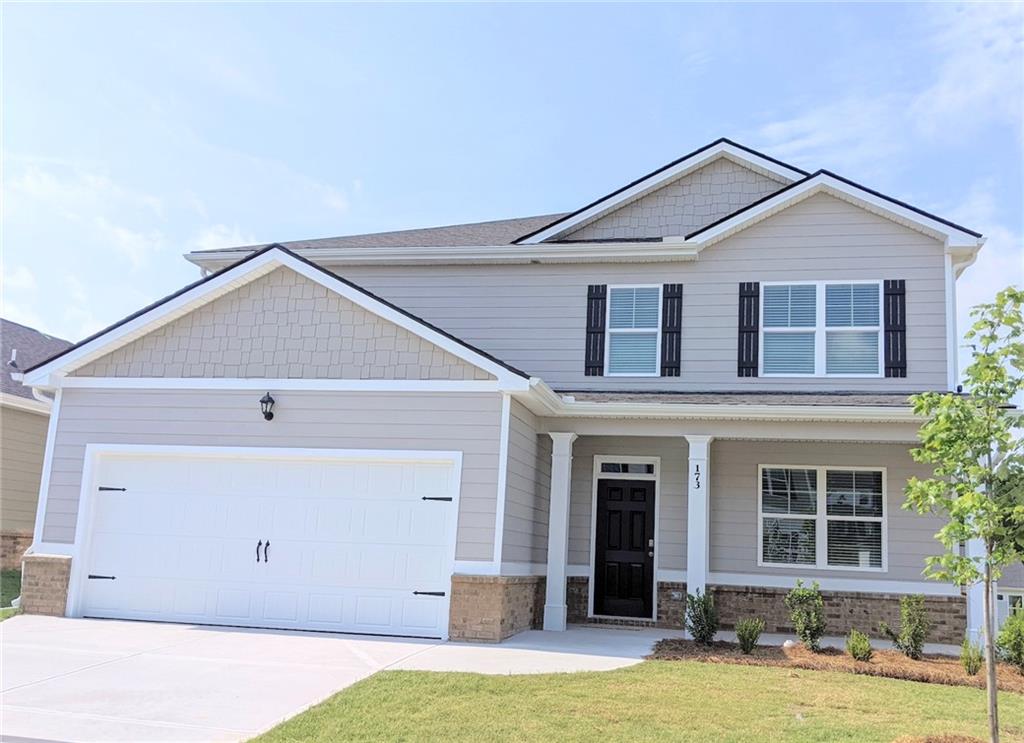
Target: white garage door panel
350,540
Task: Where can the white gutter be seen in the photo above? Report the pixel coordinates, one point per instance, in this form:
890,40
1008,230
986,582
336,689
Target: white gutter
40,406
668,250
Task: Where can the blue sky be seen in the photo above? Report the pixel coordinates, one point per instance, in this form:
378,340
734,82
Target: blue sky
135,133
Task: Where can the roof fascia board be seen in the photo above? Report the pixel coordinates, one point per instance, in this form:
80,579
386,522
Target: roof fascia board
498,254
7,400
952,237
49,374
680,168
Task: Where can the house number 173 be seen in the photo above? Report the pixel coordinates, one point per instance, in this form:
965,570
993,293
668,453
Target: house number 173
696,476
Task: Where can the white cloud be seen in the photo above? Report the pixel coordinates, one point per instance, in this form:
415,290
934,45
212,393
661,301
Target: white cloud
979,81
1000,262
221,236
137,247
18,278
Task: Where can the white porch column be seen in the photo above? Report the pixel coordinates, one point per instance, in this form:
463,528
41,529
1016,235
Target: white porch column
698,514
558,530
975,595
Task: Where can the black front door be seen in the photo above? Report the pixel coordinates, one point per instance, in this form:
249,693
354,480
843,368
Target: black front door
624,548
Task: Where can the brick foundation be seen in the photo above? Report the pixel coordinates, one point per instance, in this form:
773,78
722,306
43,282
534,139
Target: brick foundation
490,608
12,549
843,611
44,584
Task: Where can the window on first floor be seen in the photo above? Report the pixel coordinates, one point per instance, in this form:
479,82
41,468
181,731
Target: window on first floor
821,329
825,517
634,330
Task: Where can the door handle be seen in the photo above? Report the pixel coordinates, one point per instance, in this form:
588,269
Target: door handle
266,557
651,553
258,545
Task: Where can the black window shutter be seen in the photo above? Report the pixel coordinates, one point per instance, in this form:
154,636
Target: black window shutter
749,322
671,328
895,328
593,365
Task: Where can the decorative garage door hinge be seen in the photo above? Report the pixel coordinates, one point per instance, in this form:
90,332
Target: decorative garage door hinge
104,488
101,577
428,593
427,497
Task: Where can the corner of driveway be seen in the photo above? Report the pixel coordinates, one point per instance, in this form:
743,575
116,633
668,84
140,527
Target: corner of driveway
94,679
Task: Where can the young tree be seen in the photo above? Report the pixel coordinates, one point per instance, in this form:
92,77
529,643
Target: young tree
972,441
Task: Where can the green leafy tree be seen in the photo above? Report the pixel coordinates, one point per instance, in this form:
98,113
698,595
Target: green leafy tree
973,443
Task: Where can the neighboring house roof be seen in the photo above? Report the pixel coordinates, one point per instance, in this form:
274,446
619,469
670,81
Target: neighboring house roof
217,284
497,232
32,347
549,238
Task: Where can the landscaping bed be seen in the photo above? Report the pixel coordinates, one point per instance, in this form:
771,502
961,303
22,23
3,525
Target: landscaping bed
933,669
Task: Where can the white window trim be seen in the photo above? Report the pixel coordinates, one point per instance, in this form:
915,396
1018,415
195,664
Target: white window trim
820,329
821,519
608,331
600,459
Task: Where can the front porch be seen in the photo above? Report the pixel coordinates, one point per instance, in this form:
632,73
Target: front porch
641,512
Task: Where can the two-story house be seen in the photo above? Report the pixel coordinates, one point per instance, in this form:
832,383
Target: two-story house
696,382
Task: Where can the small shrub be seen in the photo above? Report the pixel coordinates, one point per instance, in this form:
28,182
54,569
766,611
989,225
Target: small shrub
748,632
807,611
858,645
1010,640
971,657
701,617
914,627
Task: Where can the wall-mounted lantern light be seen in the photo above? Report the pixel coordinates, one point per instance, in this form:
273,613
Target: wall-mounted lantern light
267,406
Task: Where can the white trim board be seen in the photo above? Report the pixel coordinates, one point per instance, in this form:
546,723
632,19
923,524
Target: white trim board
295,385
49,374
15,402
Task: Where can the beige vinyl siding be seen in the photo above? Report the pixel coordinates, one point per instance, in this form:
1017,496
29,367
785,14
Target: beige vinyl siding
528,489
670,497
282,326
734,491
466,422
534,316
685,204
22,443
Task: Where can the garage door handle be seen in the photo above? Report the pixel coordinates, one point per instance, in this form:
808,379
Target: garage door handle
428,593
266,557
427,497
102,577
258,545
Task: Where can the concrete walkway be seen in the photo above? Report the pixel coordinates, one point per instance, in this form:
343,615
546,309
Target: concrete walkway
102,680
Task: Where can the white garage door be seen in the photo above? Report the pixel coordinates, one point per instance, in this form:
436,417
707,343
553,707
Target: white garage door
337,543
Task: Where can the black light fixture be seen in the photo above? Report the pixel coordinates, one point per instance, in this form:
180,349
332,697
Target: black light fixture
267,406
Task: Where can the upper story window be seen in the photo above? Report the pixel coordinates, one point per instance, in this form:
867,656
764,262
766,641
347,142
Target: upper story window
821,329
634,331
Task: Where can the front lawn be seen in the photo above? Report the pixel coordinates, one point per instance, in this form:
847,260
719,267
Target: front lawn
10,586
655,700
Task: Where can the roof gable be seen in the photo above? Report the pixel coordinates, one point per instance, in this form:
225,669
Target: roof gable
240,274
751,159
282,325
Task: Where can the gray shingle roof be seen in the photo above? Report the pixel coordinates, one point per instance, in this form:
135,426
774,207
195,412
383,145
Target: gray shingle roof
32,347
853,399
498,232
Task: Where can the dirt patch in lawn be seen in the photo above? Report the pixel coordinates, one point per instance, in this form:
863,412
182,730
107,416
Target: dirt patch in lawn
932,669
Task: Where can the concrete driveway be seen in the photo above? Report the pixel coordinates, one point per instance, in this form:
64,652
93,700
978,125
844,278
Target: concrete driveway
101,680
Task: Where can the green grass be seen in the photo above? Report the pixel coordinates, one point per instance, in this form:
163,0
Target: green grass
8,613
656,700
10,586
